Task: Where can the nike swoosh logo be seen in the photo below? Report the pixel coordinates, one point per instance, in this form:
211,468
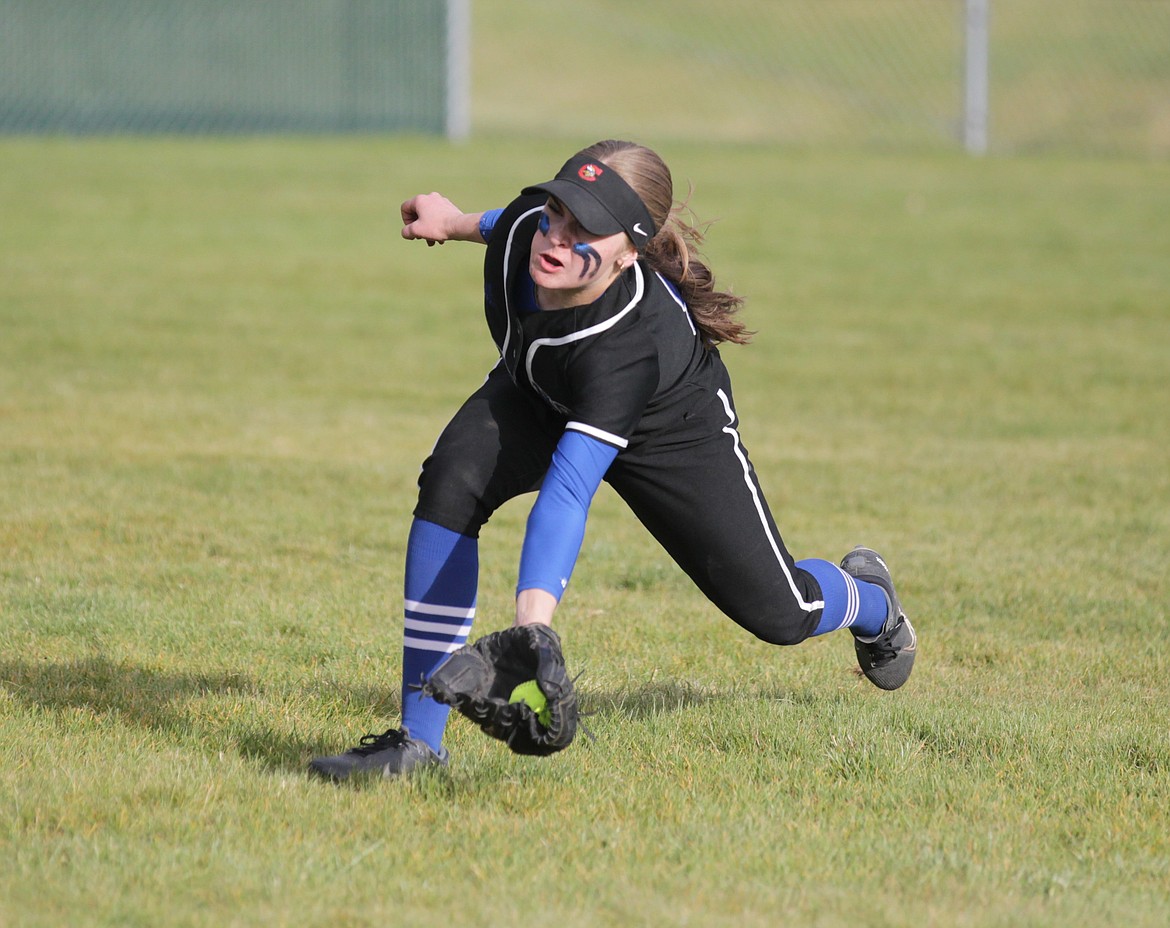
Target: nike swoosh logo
638,228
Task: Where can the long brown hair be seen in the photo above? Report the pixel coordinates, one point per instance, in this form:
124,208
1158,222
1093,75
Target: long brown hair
674,250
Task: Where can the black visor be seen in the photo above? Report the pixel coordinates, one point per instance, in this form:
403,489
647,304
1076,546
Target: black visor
600,200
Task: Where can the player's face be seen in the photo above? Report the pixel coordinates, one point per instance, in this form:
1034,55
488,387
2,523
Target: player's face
570,266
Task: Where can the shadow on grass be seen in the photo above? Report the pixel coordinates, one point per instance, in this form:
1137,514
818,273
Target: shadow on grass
95,688
659,697
647,699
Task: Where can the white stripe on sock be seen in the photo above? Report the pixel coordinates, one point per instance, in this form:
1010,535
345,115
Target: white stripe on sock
853,603
453,612
441,628
425,644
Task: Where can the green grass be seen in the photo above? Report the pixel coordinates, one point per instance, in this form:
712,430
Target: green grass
219,370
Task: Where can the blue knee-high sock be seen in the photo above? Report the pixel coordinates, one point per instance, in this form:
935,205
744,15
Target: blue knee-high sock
854,604
442,576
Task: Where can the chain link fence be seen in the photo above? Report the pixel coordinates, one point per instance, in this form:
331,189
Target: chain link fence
1088,75
1063,75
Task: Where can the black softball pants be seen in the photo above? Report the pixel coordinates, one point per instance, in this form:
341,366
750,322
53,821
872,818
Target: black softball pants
689,482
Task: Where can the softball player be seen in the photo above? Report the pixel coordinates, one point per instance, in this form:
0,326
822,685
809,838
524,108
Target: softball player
607,322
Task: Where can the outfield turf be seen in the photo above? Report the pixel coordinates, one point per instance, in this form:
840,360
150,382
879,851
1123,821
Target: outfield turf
219,370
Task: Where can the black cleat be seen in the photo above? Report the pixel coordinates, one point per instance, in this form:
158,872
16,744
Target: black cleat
887,659
390,754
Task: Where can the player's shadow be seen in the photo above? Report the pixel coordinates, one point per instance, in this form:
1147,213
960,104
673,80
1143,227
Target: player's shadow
173,704
646,700
662,697
162,701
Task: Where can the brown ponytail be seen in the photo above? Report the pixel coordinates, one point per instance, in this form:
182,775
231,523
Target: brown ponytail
674,250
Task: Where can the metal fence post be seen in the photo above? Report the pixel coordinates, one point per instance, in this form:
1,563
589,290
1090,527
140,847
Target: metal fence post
458,96
975,85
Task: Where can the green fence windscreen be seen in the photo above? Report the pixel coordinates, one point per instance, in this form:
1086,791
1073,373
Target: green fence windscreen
106,66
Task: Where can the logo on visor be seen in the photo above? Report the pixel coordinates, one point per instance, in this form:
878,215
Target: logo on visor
590,172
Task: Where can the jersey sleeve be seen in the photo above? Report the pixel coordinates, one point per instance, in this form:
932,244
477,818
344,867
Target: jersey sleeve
613,380
487,222
556,525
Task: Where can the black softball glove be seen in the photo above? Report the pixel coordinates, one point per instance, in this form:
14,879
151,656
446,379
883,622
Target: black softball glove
479,681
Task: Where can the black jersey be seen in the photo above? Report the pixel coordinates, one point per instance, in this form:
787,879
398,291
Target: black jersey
620,368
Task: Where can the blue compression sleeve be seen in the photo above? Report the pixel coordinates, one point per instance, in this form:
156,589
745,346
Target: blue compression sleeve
556,525
487,222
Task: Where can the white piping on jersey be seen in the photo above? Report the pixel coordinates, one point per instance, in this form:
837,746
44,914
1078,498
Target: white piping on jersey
507,289
608,437
639,289
747,478
681,302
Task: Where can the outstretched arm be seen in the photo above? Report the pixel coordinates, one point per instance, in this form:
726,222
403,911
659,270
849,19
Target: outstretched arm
435,219
556,525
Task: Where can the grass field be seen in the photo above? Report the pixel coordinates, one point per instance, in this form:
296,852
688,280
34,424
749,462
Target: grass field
219,370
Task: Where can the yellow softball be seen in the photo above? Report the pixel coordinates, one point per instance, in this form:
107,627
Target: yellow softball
530,694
